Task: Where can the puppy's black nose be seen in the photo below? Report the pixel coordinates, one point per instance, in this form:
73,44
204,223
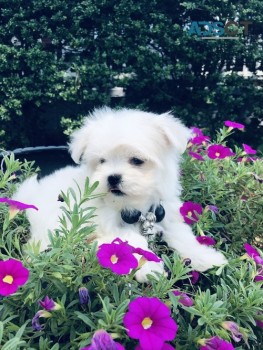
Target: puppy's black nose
114,180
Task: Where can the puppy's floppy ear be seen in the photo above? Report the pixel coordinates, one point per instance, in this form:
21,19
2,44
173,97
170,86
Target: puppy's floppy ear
174,132
78,144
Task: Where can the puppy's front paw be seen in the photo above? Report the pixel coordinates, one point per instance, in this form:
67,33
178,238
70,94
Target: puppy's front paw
207,261
148,269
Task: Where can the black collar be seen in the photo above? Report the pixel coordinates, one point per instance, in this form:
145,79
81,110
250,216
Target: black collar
133,216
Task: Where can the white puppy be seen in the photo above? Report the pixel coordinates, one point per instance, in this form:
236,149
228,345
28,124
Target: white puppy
135,157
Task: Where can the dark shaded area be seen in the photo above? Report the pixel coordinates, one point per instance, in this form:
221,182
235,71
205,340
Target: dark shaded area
48,159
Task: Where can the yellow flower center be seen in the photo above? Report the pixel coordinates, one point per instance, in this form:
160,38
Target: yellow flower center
189,213
217,154
114,259
147,323
8,279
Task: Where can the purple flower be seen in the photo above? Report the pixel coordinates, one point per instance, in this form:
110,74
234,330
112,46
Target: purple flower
117,257
194,277
149,256
218,151
150,321
234,125
49,304
199,140
102,340
190,212
184,298
216,343
196,131
83,295
16,206
247,159
253,253
212,208
165,346
248,149
13,274
35,321
206,240
196,156
259,323
234,329
259,276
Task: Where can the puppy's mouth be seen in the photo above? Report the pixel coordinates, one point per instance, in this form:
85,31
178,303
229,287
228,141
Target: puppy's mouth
116,191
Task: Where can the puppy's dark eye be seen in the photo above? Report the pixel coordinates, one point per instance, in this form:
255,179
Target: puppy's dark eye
102,160
136,161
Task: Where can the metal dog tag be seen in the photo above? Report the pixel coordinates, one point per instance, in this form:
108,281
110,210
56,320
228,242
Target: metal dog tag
149,230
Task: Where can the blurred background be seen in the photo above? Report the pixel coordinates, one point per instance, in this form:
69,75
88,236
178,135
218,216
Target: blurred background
61,59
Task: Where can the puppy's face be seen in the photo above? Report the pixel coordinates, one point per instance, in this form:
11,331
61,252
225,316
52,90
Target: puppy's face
125,174
132,154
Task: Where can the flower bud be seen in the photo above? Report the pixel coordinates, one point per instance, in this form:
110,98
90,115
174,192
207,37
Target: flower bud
83,295
35,321
49,304
103,341
184,299
234,329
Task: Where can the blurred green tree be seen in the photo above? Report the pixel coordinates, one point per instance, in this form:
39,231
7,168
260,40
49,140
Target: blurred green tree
61,59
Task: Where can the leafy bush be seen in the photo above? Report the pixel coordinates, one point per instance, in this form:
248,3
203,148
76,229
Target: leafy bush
62,59
71,268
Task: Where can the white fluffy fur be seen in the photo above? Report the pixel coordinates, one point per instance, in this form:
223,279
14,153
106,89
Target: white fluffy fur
117,136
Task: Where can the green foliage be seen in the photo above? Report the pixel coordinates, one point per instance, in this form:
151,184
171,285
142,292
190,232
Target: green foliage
233,184
69,55
226,293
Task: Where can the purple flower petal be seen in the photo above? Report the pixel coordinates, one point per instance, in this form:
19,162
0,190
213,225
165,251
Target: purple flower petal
199,140
218,151
17,205
151,341
259,323
247,159
216,343
195,277
234,329
191,212
165,346
196,131
8,289
253,253
248,149
258,260
259,277
118,257
101,340
150,256
149,320
83,295
35,321
12,275
196,156
234,125
48,304
213,208
206,240
251,250
184,298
